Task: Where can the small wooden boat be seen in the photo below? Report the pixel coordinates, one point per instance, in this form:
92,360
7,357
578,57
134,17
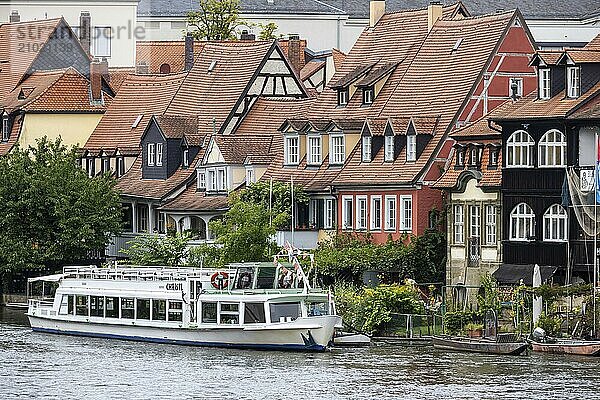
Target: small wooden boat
350,339
481,345
576,347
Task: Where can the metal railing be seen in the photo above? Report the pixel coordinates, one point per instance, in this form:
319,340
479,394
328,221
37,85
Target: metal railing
413,325
130,273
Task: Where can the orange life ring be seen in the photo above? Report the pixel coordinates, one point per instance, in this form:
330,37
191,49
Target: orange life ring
219,280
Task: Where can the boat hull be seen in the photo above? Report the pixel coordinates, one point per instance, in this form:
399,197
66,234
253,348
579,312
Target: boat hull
576,348
479,346
304,334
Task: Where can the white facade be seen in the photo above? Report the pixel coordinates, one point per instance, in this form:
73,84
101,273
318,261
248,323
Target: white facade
118,15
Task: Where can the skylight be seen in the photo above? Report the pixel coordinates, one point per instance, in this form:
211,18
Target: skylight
212,66
137,121
457,45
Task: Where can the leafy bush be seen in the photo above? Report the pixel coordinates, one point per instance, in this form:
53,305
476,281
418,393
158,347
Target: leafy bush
455,322
158,250
368,309
206,256
550,324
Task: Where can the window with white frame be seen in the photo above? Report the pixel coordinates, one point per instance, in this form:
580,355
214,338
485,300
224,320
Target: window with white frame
292,150
375,213
313,207
475,152
367,142
151,154
186,158
390,213
159,154
329,213
102,41
475,217
91,167
544,83
553,149
555,224
493,157
368,95
411,148
515,87
212,180
5,128
250,179
347,212
460,157
314,149
573,82
459,224
343,96
522,223
337,149
490,224
389,148
222,179
519,150
201,175
361,212
406,213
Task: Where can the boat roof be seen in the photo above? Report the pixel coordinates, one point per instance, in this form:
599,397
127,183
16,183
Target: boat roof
46,278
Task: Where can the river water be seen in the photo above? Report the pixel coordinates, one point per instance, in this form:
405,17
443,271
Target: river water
37,365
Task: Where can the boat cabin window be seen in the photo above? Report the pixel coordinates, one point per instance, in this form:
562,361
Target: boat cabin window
66,304
159,310
209,312
112,307
230,313
127,307
143,309
284,312
244,278
317,308
175,310
254,313
97,306
81,306
266,277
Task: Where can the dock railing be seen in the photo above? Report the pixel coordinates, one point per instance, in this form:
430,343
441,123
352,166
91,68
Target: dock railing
413,325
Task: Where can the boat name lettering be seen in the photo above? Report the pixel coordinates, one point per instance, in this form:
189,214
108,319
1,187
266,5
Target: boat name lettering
174,286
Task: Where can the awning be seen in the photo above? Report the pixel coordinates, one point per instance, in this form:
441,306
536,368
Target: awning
47,278
511,274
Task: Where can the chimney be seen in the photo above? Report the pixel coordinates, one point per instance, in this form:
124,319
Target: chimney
142,68
189,51
247,36
98,70
295,52
85,31
434,12
14,16
376,11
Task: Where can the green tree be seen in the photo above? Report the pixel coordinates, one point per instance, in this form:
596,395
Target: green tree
52,213
267,31
168,251
215,20
279,199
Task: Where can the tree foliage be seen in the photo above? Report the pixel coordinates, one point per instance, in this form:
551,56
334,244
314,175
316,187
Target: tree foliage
215,19
170,251
347,257
267,31
52,213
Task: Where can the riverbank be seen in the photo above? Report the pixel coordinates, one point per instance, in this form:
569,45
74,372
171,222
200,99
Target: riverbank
39,365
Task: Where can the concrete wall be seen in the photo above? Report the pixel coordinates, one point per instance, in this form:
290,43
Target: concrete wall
120,15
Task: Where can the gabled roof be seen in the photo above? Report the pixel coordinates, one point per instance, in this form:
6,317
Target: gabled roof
54,91
192,200
235,148
213,95
178,127
310,68
579,56
487,177
377,74
139,95
338,57
544,58
351,77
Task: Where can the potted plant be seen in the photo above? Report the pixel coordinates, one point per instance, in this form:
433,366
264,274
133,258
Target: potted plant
474,330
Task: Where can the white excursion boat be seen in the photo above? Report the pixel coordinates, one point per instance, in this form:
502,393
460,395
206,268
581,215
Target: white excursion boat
253,306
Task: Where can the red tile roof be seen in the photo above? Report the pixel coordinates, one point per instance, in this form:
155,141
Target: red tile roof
583,56
118,75
157,52
311,68
594,44
145,95
338,58
487,177
235,148
178,127
6,147
192,200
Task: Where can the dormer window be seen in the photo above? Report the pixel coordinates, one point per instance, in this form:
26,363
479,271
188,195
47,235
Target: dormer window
411,148
337,149
544,83
389,148
201,177
151,154
250,178
343,96
159,154
292,150
186,158
573,82
474,157
493,158
314,149
460,157
5,128
367,142
368,95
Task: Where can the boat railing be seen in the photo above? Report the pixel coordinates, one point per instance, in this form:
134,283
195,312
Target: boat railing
37,303
133,273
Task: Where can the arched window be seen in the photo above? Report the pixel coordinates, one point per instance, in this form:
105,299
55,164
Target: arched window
553,149
555,224
165,69
522,222
519,150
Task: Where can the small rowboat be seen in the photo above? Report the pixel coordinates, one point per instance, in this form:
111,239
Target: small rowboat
576,347
483,345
